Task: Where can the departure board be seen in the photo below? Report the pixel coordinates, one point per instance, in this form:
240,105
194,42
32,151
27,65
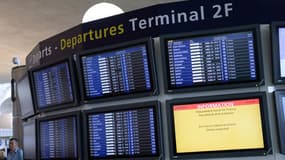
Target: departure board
212,59
128,133
117,72
53,85
58,138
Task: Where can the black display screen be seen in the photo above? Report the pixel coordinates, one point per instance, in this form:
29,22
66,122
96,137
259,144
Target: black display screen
53,85
58,138
123,134
29,140
118,71
212,59
280,108
25,97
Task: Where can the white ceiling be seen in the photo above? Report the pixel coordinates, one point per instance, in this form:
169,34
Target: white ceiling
24,23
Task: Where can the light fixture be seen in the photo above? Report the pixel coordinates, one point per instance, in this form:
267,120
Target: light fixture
16,60
101,10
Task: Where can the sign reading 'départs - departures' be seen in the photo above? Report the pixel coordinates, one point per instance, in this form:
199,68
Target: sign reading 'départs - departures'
146,22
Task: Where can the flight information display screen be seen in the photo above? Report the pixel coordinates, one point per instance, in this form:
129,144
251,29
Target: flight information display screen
117,72
58,138
218,122
278,51
53,85
282,51
216,126
127,133
212,59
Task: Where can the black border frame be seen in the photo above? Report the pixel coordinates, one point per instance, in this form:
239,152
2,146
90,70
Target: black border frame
227,153
280,112
74,87
133,106
77,115
276,70
116,96
255,28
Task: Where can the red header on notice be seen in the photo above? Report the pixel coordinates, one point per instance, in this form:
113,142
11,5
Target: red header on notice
220,104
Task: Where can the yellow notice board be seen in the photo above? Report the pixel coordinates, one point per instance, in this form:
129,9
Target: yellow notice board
218,126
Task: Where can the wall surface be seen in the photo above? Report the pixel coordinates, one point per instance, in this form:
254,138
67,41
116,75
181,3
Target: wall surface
5,121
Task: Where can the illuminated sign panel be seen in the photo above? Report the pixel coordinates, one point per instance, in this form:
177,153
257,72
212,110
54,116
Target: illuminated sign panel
218,126
229,57
125,133
117,70
53,86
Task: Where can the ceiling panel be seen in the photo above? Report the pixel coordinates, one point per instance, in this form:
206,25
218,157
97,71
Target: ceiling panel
25,23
